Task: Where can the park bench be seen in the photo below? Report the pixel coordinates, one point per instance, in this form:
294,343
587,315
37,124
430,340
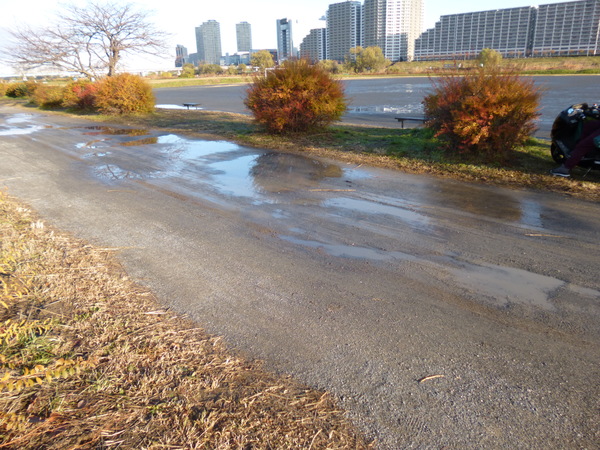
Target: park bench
401,119
191,105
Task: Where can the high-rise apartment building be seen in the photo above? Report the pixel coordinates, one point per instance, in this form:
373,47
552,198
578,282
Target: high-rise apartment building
285,44
393,25
567,29
181,56
208,41
558,29
460,36
344,29
244,37
314,45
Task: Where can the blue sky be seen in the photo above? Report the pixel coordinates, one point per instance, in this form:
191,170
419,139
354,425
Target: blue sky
180,17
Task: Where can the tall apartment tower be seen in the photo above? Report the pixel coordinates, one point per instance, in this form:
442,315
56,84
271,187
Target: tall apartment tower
567,29
344,29
208,41
314,45
244,37
285,44
393,25
181,56
558,29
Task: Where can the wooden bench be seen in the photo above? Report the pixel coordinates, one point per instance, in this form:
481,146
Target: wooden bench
413,118
191,105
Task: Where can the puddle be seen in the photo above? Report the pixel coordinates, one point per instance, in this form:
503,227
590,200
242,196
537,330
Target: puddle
21,131
19,118
139,142
393,88
113,131
90,144
176,107
506,285
190,149
277,172
415,108
395,208
350,251
481,202
223,166
16,121
272,174
115,173
502,285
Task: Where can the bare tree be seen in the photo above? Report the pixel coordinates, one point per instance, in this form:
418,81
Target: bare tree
89,40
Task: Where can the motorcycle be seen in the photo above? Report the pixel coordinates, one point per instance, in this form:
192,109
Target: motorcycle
566,132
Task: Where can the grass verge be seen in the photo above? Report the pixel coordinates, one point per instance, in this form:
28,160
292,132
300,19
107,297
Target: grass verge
91,360
409,150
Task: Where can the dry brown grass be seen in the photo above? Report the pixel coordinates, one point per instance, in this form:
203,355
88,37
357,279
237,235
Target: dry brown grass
123,371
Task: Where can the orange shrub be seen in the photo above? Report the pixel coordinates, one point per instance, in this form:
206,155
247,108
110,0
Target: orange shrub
297,97
46,96
124,94
20,89
81,95
483,114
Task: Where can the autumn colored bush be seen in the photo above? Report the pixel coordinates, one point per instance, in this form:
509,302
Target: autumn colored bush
80,95
3,87
484,114
124,94
296,97
20,89
46,96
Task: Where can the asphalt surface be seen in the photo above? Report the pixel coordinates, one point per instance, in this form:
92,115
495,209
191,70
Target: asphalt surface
378,101
441,314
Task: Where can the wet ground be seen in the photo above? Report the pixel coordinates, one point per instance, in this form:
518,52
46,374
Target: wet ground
362,281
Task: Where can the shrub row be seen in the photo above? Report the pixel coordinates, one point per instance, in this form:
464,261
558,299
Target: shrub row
119,94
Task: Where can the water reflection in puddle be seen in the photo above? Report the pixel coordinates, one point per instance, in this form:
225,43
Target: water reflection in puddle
273,175
113,172
503,286
169,106
20,124
19,118
414,108
219,165
481,202
113,131
350,251
395,208
507,285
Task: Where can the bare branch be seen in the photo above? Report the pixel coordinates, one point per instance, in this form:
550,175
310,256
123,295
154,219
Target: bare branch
90,40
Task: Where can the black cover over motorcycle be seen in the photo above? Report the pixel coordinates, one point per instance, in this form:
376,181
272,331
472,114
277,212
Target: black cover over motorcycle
566,132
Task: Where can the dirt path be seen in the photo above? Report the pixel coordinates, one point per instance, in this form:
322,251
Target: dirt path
440,314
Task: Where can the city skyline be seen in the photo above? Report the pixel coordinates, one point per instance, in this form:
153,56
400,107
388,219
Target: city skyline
180,19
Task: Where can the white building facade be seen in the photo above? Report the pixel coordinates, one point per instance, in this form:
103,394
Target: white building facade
393,25
344,29
314,45
558,29
208,42
243,32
